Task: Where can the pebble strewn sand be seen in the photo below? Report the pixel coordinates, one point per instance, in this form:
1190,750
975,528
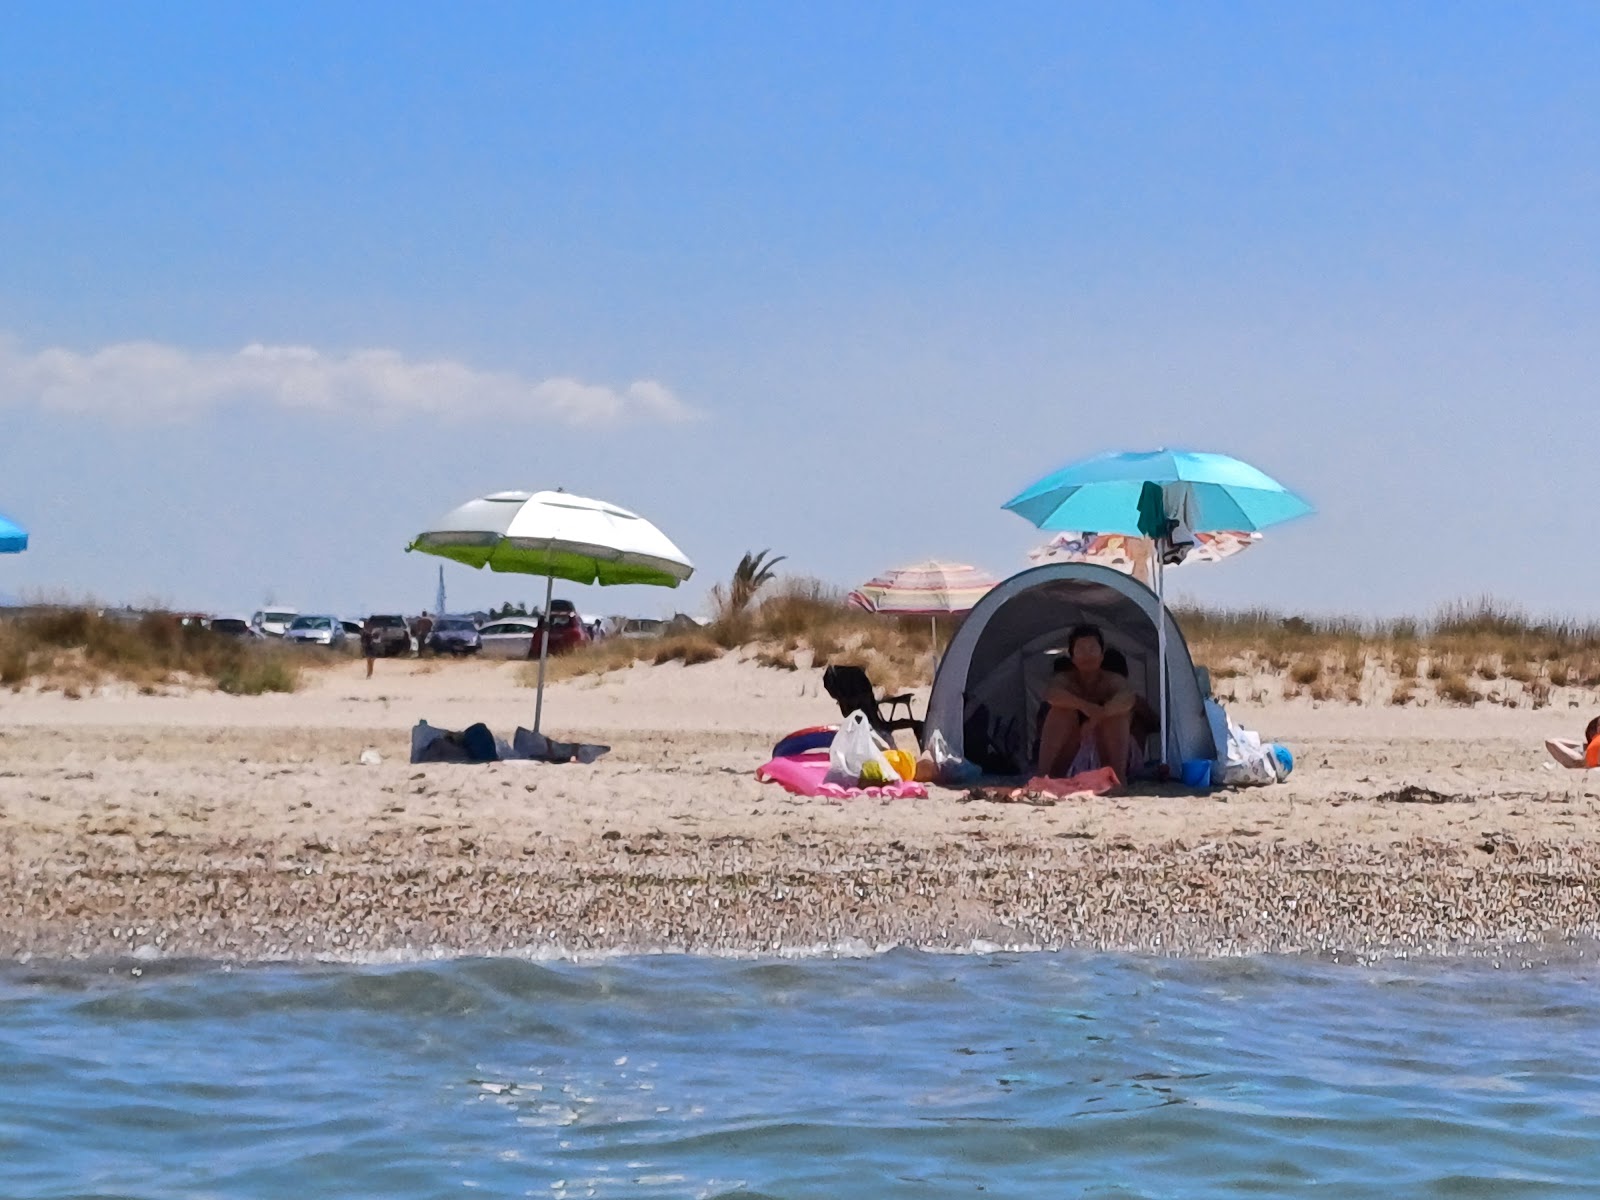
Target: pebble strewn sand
252,900
209,826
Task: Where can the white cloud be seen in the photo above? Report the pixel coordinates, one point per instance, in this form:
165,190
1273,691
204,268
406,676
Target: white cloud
151,381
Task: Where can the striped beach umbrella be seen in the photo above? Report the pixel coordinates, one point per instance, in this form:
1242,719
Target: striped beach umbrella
924,589
929,589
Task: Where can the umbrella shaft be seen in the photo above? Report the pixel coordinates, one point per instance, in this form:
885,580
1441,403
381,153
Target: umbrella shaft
544,649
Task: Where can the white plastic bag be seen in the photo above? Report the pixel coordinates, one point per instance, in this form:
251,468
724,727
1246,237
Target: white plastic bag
1249,761
939,764
854,747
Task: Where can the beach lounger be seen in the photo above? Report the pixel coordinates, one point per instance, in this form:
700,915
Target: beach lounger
852,690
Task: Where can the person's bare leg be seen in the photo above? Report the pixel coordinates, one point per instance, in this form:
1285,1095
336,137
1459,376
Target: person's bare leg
1058,741
369,666
1113,737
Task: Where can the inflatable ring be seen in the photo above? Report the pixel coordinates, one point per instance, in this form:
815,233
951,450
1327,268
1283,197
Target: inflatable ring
815,737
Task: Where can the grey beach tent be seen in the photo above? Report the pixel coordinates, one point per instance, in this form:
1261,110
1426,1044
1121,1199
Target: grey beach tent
991,681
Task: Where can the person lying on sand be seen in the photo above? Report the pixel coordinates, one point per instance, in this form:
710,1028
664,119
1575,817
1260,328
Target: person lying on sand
1091,712
1578,754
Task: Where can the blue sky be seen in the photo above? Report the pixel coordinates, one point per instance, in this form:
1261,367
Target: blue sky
279,285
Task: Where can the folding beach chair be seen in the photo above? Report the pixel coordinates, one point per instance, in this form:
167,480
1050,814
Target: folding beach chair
853,692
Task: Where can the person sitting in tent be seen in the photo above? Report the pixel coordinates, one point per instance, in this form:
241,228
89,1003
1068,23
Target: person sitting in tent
1089,723
1578,755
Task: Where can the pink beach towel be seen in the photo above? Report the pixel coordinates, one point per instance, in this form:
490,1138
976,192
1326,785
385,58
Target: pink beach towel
1086,783
803,774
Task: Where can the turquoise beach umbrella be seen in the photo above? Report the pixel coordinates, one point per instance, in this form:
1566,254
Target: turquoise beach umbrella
13,537
1129,493
1102,493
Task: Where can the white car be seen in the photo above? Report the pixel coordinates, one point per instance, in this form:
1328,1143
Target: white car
315,631
274,622
512,638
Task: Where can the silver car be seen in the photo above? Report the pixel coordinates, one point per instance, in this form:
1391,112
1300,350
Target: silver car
315,631
511,638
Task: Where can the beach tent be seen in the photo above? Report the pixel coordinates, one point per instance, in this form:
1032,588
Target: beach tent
991,681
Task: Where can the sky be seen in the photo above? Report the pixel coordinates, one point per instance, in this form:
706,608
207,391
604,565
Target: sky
280,284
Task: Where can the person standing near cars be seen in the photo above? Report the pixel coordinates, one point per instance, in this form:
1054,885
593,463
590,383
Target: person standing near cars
422,629
369,644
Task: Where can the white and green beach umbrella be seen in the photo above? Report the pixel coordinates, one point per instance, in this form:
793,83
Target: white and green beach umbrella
560,536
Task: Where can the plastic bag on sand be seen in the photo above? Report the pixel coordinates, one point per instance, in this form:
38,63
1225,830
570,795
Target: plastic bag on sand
1250,762
939,764
855,758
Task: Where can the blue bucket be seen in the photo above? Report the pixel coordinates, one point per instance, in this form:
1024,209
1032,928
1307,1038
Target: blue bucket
1196,773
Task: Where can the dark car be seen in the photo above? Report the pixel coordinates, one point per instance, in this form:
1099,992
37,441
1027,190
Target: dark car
564,628
235,627
389,633
454,635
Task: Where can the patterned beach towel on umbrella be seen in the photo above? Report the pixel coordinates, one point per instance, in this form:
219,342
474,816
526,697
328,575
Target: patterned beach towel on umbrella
806,775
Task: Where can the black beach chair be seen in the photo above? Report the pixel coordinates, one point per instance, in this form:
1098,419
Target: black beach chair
853,692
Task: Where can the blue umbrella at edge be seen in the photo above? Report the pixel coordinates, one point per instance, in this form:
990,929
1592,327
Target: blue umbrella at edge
13,537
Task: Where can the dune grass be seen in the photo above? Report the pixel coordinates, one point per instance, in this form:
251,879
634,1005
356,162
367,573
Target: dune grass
75,650
1468,653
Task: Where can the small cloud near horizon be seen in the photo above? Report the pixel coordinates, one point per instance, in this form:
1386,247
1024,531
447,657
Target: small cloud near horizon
151,381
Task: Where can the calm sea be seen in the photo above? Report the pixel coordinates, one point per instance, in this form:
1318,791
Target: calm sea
898,1074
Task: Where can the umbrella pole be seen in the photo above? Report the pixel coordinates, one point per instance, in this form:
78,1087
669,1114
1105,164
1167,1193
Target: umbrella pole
1161,649
933,630
544,649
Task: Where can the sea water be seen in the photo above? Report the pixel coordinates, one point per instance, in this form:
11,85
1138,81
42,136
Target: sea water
884,1075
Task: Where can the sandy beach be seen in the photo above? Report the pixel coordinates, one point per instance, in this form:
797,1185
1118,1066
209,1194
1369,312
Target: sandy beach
248,827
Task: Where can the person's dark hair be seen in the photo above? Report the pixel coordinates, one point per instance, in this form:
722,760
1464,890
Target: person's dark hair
1079,632
1115,661
1590,730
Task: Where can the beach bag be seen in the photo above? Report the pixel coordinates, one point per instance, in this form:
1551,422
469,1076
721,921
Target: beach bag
855,755
1249,762
478,742
939,764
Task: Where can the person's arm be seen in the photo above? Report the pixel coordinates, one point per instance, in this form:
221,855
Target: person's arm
1058,695
1061,695
1122,701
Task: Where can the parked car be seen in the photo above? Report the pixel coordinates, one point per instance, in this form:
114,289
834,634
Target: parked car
638,627
274,622
315,631
510,638
566,628
234,627
352,629
454,635
393,635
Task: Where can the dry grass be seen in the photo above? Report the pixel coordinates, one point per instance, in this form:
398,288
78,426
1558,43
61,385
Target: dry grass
1455,688
75,650
1480,647
1306,671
